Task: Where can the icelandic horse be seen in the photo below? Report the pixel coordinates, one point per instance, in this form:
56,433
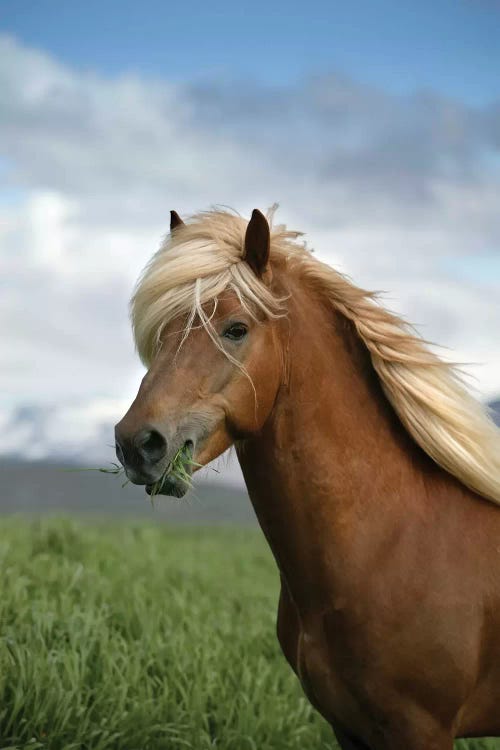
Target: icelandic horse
374,475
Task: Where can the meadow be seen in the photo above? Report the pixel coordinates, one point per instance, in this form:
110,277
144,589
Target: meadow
130,636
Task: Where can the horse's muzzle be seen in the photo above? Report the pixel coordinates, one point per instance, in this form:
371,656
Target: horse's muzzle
142,454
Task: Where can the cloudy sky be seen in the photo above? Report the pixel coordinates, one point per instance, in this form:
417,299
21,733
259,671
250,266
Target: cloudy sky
376,126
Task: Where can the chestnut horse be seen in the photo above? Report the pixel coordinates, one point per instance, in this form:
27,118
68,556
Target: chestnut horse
375,476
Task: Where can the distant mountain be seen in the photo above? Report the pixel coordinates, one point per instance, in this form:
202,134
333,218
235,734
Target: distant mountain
495,409
76,432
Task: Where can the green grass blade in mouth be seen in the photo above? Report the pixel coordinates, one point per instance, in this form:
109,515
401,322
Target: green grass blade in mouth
182,460
177,469
113,468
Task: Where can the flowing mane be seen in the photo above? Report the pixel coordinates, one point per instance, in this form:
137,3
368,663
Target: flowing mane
203,258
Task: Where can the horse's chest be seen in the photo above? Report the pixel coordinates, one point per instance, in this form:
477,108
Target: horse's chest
323,664
321,680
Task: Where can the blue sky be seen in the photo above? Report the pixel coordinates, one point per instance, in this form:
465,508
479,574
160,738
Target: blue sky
451,46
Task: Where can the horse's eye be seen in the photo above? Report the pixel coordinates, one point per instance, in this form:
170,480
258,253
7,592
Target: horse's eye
235,332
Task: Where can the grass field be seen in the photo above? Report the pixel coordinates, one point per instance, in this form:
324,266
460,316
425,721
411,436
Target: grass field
137,637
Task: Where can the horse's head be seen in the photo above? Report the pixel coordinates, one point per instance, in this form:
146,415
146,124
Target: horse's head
208,327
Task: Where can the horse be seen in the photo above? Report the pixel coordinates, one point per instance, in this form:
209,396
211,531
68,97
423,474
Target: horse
374,474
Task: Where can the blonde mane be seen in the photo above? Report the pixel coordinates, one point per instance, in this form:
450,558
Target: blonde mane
203,258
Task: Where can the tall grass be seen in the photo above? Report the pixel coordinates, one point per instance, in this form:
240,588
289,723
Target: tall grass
137,637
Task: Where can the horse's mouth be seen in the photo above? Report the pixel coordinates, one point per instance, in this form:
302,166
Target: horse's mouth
176,479
171,487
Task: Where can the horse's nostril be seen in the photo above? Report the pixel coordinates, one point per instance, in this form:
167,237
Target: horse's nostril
151,445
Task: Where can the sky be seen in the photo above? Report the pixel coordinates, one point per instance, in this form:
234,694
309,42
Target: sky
376,126
402,45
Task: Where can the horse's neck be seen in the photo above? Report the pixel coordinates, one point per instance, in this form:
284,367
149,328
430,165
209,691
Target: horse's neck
333,464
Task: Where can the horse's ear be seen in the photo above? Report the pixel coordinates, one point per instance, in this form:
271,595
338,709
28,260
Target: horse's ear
175,220
257,243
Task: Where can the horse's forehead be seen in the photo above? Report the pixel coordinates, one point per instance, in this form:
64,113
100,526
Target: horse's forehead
227,305
224,306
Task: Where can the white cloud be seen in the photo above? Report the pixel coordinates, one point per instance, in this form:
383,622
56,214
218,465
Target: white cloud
391,190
